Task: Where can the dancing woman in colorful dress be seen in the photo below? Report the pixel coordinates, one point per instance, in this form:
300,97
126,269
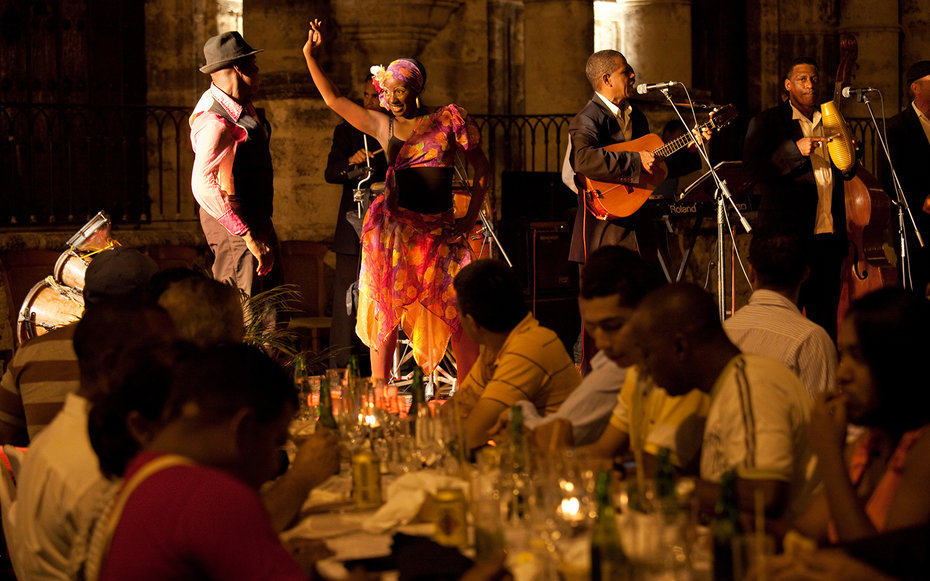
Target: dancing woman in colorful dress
412,246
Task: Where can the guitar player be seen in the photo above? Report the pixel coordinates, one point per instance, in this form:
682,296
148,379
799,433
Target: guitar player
606,119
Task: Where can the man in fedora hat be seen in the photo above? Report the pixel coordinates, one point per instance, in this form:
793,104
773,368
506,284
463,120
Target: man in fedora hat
232,177
909,146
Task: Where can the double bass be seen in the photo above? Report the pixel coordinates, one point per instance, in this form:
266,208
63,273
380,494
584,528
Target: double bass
868,207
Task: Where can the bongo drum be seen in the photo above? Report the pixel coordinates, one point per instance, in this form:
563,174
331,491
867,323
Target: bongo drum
70,269
48,305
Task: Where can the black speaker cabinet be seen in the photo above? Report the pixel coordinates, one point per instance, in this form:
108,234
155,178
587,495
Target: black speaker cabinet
561,315
536,196
550,271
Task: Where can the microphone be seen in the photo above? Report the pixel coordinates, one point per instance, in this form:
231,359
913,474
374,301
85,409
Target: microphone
849,92
644,88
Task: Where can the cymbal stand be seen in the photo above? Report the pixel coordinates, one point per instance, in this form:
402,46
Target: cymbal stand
901,202
723,196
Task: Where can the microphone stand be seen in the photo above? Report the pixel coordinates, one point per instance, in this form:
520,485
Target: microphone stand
722,197
905,256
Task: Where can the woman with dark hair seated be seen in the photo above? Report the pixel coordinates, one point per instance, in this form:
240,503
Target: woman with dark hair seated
879,483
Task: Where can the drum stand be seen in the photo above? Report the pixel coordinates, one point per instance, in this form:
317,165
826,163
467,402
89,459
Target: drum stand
487,227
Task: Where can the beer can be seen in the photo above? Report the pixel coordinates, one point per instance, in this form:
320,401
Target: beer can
366,479
451,524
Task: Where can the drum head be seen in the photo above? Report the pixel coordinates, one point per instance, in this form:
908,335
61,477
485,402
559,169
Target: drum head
93,236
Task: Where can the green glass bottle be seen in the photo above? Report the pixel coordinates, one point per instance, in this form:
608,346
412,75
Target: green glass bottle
608,560
352,397
418,392
666,494
518,443
726,526
326,419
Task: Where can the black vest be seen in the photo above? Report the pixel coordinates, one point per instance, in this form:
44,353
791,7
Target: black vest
253,174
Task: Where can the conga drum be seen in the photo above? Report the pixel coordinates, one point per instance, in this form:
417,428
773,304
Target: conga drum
48,305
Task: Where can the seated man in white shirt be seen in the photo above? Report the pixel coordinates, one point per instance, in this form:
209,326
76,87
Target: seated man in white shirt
612,283
771,323
759,411
60,483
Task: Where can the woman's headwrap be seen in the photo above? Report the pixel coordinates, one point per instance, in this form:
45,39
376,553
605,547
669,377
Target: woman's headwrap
408,72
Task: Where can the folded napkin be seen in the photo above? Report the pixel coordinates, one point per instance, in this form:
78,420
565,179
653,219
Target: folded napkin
405,498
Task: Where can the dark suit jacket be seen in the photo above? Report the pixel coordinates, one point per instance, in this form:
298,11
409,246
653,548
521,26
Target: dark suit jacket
910,153
590,130
346,141
784,177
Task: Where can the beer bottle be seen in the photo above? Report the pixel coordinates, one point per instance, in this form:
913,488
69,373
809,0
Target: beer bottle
608,561
726,527
418,407
326,419
353,401
518,445
665,484
418,392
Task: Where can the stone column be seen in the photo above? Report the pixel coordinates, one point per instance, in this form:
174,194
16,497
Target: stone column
608,17
559,40
655,37
875,26
506,57
915,46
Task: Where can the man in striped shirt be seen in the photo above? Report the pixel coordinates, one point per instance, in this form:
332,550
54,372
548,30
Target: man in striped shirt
759,411
33,388
519,359
771,323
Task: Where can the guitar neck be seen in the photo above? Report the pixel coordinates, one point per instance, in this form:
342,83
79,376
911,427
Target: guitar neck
673,145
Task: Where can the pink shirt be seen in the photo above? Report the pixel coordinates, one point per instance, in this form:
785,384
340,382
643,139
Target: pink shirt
214,141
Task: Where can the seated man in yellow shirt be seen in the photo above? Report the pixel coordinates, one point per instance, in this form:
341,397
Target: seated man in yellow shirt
645,418
518,358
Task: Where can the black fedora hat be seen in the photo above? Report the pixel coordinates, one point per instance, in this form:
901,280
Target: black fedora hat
224,49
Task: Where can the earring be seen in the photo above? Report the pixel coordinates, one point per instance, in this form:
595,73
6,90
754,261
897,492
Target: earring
417,100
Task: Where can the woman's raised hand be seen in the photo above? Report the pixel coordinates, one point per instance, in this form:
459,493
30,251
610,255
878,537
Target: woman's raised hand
314,37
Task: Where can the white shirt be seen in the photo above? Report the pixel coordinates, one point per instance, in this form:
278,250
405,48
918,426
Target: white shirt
588,408
823,171
623,116
924,122
772,325
757,425
56,494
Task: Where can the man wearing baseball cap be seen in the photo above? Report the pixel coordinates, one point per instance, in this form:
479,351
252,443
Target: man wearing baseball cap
909,146
232,177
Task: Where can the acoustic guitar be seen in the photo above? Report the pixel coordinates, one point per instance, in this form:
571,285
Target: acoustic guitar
608,201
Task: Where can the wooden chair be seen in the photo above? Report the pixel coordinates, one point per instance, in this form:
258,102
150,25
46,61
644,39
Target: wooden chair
7,496
302,265
15,457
